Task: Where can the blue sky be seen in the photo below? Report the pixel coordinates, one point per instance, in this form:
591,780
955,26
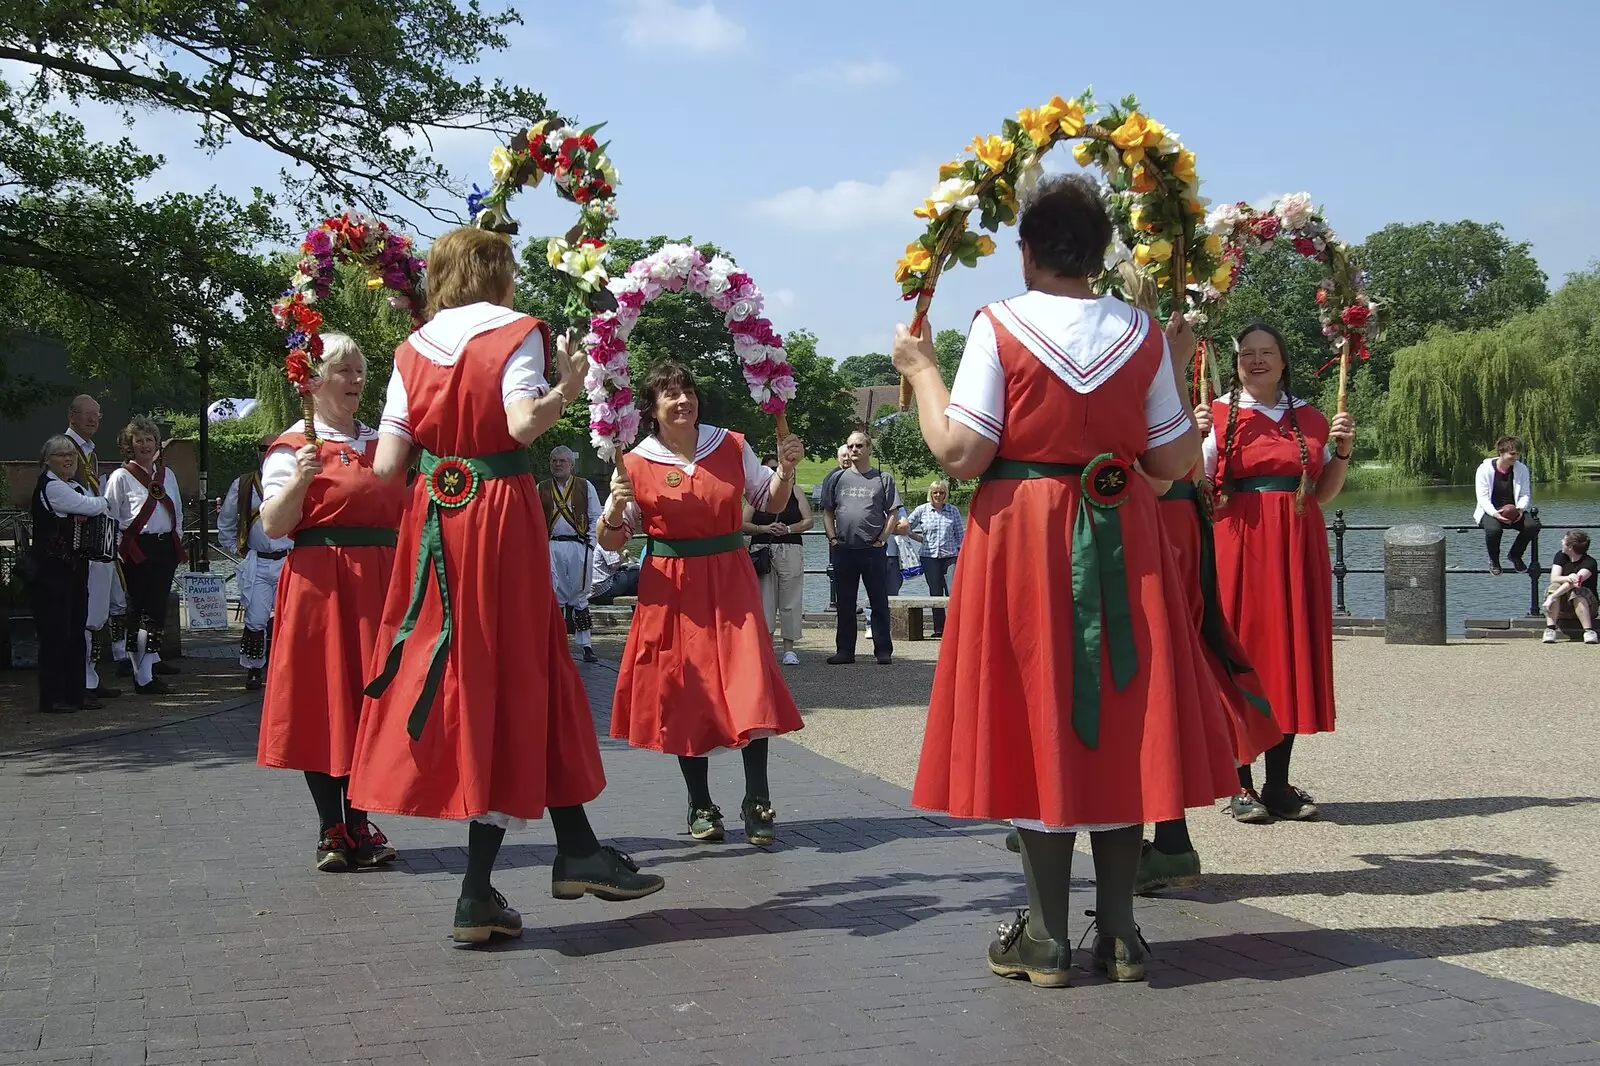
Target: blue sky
799,136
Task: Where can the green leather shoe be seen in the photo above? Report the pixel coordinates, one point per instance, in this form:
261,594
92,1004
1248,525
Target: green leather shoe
1247,807
1014,842
1119,959
1016,954
759,820
479,920
1157,869
607,874
705,823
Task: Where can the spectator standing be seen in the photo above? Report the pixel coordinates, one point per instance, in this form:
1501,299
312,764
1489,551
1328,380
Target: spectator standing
859,506
1505,492
939,525
145,503
106,598
1572,580
783,582
61,587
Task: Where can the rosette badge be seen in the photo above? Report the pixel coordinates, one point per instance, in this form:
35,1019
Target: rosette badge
582,173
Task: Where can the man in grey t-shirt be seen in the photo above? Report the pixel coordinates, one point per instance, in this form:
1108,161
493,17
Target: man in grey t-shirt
859,509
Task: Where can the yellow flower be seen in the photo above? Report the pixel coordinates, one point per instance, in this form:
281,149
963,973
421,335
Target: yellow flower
950,170
993,152
918,259
1183,167
538,130
1222,277
554,251
1058,115
1083,153
374,283
1158,251
1135,135
902,271
1071,117
1138,221
1143,180
1037,125
985,245
929,210
501,162
1197,208
1214,246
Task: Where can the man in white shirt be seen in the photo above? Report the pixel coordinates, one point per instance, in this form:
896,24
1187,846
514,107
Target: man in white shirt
260,563
572,513
145,502
611,575
106,599
1504,491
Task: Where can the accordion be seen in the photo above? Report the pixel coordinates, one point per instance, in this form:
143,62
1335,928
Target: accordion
95,538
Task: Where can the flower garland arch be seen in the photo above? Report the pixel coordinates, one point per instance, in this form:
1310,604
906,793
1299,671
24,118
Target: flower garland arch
582,173
1349,316
1151,174
388,258
613,418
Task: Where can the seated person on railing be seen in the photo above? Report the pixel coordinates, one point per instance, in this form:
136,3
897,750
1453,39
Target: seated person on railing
1505,491
1572,581
612,575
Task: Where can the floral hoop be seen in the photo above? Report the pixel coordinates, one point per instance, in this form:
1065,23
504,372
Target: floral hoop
385,255
583,174
613,418
1349,316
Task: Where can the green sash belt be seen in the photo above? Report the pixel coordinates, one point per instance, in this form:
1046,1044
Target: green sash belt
452,482
1102,614
346,537
1270,483
1182,490
695,547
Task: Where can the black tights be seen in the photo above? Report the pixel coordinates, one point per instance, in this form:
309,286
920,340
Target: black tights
1047,868
332,797
697,769
1277,768
574,838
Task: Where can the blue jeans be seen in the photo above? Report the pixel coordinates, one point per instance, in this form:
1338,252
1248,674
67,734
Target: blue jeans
938,573
852,568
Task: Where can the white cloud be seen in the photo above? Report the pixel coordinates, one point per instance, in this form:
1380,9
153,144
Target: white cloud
784,298
860,75
850,204
649,25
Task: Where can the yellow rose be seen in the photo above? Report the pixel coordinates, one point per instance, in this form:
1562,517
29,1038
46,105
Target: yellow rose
1070,118
929,210
501,163
985,245
918,259
1214,246
1138,221
1135,135
1157,251
538,130
993,151
1183,167
902,271
1222,277
950,170
1083,153
1038,125
1143,180
1197,208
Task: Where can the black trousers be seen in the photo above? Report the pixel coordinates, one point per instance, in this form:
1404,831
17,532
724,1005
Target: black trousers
852,568
937,573
1494,529
149,586
624,582
60,612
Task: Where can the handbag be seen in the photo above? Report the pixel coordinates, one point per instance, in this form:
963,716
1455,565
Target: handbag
761,559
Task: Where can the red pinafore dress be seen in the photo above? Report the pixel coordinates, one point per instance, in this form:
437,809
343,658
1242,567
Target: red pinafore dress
698,673
329,601
1001,741
508,730
1273,573
1237,684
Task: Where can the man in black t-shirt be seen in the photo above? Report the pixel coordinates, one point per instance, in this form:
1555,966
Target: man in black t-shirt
1573,581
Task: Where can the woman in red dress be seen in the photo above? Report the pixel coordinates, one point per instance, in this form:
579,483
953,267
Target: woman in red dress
343,522
477,712
1276,461
1066,694
698,673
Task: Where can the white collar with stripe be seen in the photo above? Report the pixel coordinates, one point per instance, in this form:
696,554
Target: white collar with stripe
1274,411
652,449
364,434
445,336
1082,342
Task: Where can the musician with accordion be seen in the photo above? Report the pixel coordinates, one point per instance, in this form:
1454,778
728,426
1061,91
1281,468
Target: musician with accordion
69,525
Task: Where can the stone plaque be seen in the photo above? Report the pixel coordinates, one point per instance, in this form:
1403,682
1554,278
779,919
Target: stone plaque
1413,585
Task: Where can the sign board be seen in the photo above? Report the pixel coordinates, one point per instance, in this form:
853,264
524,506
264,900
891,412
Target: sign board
205,600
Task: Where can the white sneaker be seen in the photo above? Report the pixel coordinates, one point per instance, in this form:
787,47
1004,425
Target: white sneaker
1591,637
1549,635
791,659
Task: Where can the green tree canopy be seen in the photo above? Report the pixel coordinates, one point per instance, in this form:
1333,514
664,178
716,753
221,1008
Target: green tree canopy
873,368
948,345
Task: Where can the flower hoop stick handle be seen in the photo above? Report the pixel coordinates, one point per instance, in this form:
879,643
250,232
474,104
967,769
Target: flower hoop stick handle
783,426
1344,373
308,409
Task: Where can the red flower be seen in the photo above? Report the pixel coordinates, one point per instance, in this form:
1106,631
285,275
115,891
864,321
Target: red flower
1305,246
1322,296
1265,227
1356,315
582,194
591,242
588,143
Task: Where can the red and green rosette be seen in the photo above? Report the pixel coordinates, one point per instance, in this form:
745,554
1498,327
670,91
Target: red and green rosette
1103,615
453,483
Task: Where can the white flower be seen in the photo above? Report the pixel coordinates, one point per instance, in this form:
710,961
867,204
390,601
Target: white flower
1223,219
556,138
953,194
1117,252
743,309
1027,181
1294,210
717,272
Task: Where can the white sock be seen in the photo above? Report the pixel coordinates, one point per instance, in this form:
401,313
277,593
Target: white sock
91,676
142,661
583,638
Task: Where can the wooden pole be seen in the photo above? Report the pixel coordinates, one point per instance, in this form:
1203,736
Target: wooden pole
308,410
1344,373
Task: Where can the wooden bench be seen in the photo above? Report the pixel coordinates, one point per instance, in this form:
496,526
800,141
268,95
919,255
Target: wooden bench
905,614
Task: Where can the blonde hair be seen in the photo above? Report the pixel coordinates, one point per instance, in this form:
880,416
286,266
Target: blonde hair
338,348
467,266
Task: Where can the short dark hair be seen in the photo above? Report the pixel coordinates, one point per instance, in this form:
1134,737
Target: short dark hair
1577,540
664,375
1507,444
1065,226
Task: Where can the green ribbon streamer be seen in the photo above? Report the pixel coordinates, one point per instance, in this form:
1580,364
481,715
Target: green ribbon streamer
430,561
695,547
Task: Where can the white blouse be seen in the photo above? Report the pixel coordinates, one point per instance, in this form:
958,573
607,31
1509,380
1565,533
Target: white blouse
127,498
70,498
442,342
1082,342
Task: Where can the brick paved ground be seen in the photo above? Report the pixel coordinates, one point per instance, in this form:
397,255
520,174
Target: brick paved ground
157,906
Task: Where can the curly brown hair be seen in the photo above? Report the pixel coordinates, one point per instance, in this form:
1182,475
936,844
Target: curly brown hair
663,376
136,425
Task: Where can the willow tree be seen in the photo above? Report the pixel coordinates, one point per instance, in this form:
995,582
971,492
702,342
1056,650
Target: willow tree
1454,394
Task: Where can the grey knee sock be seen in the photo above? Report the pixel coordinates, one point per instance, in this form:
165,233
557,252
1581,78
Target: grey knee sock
1116,866
1047,868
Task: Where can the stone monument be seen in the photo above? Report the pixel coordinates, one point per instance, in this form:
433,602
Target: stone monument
1413,585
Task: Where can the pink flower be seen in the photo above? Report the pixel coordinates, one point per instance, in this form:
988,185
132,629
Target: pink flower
773,404
622,397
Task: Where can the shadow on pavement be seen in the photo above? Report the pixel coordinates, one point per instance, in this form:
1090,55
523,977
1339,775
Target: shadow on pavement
1456,870
1401,812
